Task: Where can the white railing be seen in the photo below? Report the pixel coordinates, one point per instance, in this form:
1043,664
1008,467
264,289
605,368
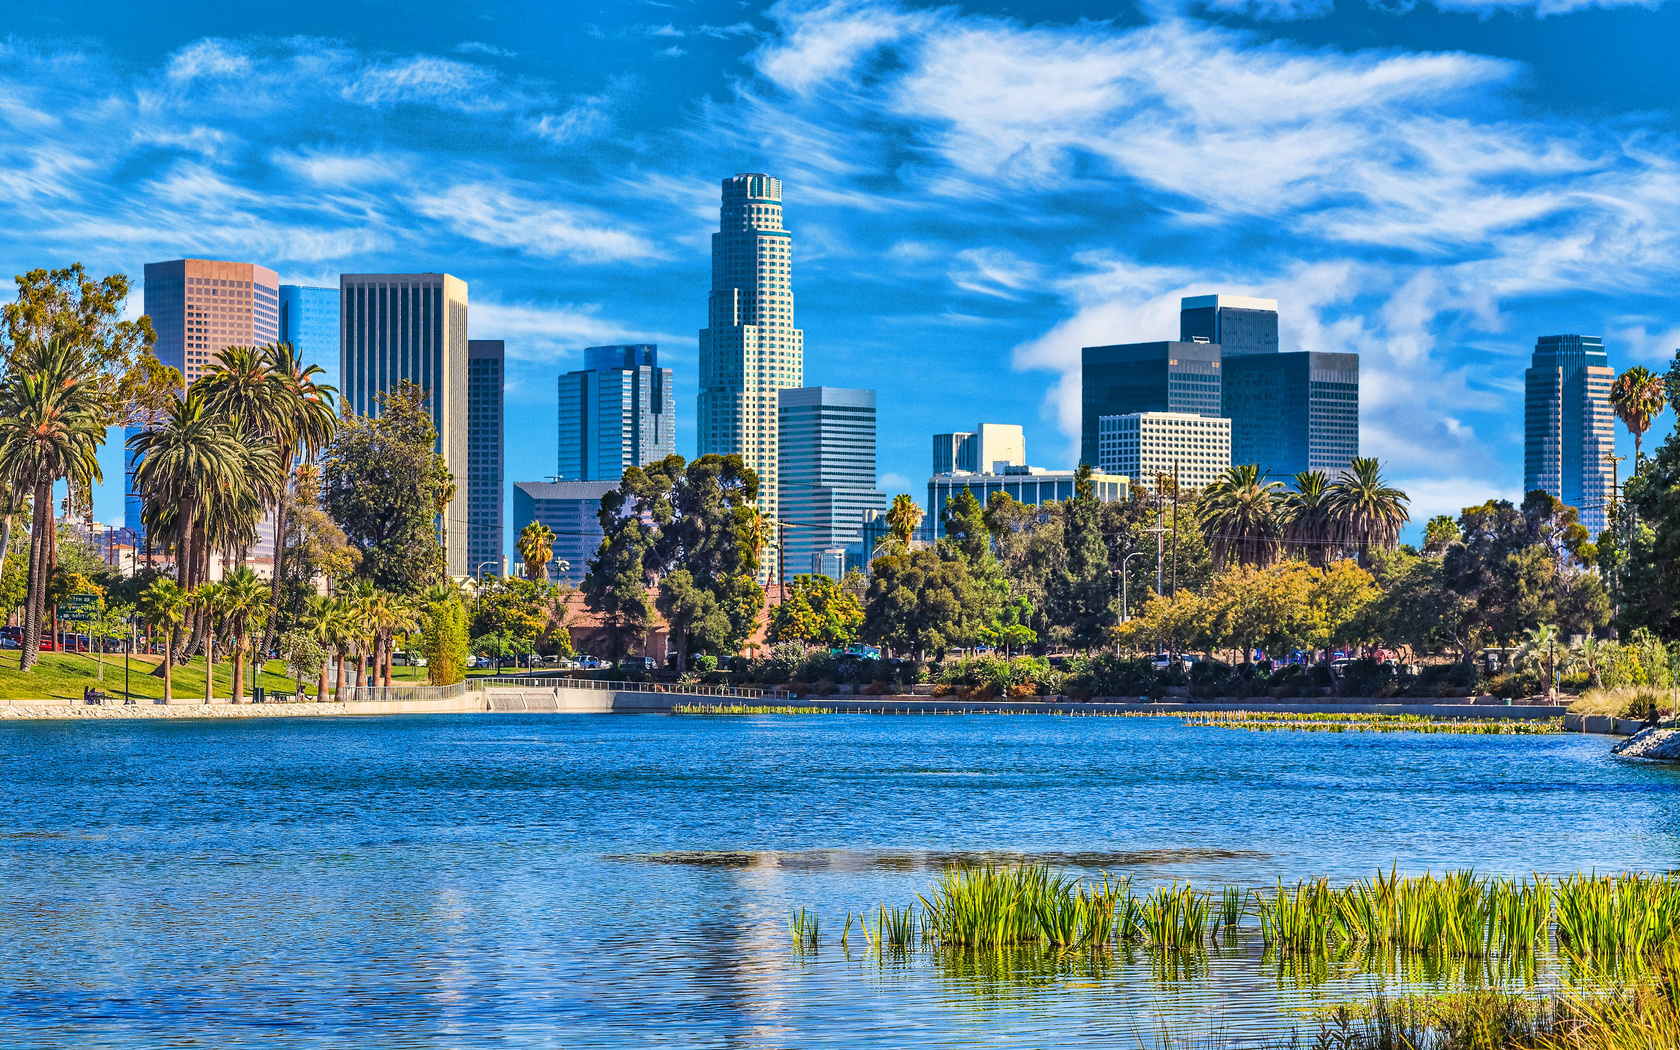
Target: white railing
387,692
741,692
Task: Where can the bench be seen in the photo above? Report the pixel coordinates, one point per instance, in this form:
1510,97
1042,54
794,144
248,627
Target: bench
95,696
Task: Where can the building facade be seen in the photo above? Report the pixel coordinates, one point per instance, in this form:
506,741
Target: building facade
198,308
991,448
618,411
1031,486
1146,377
750,349
1239,324
1293,412
1141,445
486,375
826,472
412,326
571,509
1568,425
309,321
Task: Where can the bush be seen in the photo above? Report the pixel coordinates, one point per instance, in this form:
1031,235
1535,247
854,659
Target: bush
705,664
1515,685
1621,702
1443,680
1367,677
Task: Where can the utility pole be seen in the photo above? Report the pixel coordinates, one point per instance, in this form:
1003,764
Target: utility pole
1175,530
781,561
1159,530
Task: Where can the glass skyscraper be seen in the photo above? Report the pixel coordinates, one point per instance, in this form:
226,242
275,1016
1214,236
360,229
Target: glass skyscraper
412,326
571,509
827,473
485,381
1568,425
618,411
309,321
1293,412
1239,324
1145,377
749,349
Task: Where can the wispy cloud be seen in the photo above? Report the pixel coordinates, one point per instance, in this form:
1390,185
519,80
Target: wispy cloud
494,214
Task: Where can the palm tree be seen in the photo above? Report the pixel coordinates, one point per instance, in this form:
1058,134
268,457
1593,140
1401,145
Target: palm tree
1306,516
1365,511
1239,514
1542,640
1638,396
204,599
754,532
164,604
184,463
317,621
360,595
536,547
244,603
342,633
386,614
903,517
308,406
52,423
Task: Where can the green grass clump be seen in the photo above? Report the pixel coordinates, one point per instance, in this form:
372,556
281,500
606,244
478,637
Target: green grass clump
1176,917
1604,916
1348,722
1297,920
995,906
803,927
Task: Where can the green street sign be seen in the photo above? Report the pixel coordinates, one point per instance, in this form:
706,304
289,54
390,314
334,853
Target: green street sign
79,607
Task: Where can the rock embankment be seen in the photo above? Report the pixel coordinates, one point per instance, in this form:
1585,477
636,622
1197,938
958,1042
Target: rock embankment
1653,742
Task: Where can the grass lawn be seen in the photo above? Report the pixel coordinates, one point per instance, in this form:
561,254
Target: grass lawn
65,675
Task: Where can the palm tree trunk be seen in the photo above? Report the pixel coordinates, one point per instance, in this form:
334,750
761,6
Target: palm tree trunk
209,666
361,667
321,689
35,598
280,508
338,688
238,668
168,645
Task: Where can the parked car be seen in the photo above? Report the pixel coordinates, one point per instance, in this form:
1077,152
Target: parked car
639,663
8,642
589,663
402,659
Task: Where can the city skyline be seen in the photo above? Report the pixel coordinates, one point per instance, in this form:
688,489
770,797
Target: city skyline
951,213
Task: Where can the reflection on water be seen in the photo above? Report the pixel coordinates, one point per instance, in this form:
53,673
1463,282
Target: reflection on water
515,881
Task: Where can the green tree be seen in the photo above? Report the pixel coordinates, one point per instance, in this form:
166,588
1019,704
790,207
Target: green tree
1439,533
164,604
818,612
244,606
1239,516
386,488
695,617
616,586
1307,525
206,601
903,517
536,548
964,522
1365,511
316,548
513,607
305,657
52,422
1638,396
445,637
919,602
307,405
1078,595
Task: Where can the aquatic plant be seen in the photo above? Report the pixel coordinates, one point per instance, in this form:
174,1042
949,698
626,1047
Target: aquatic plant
1601,916
746,709
1000,905
1230,906
803,927
1298,920
1175,917
1351,722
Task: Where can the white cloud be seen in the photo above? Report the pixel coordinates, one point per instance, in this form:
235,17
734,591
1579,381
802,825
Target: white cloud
494,214
553,335
478,47
423,79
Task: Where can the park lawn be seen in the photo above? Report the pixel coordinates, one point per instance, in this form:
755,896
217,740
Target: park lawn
65,675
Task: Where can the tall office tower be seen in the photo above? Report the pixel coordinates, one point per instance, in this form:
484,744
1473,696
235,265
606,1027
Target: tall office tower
1240,325
199,307
1293,412
309,321
1146,377
618,411
749,349
412,326
571,509
1568,425
987,450
1143,445
826,473
485,374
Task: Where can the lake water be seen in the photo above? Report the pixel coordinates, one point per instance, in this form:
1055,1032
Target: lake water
591,881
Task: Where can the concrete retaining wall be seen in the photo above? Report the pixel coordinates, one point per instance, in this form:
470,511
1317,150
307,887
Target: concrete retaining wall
1602,724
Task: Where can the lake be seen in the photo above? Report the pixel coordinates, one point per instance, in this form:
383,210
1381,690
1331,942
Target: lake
607,881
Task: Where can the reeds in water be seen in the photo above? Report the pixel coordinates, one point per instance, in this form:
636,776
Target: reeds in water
803,927
995,906
1175,917
1297,920
1602,916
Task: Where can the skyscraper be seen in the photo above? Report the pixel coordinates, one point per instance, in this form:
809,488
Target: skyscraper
1568,425
618,411
1239,324
986,450
572,510
1145,377
749,349
309,321
413,326
1144,445
826,472
485,372
199,307
1293,412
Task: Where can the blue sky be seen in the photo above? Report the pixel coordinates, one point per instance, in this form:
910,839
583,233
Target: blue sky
975,190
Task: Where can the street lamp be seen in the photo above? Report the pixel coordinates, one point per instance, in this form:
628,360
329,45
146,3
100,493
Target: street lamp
1125,611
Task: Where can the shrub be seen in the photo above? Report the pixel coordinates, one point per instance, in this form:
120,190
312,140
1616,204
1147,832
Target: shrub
705,664
1515,684
1367,677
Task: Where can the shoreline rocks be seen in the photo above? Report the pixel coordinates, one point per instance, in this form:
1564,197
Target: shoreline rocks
1655,742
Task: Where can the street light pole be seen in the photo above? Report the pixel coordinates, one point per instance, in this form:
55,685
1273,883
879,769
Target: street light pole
1125,608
